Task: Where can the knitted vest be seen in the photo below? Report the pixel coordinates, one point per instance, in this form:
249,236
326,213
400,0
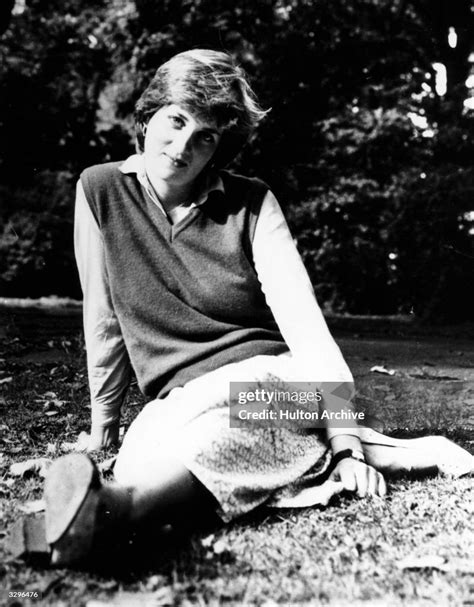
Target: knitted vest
186,296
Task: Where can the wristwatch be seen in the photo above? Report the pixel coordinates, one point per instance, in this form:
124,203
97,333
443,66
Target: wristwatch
347,453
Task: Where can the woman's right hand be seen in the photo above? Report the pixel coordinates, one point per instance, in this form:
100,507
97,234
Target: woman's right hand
359,477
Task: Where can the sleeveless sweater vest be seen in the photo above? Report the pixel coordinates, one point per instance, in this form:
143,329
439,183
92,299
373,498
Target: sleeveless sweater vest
186,296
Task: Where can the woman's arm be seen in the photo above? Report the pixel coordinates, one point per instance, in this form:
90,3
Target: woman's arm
291,298
107,359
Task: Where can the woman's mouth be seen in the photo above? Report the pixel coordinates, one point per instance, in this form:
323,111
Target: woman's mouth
177,162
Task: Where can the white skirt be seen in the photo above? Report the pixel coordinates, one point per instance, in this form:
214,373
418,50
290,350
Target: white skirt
241,468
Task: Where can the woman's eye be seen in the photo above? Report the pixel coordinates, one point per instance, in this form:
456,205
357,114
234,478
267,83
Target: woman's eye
207,138
176,121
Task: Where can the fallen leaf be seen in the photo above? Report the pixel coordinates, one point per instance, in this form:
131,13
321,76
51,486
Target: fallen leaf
48,403
33,466
382,369
32,507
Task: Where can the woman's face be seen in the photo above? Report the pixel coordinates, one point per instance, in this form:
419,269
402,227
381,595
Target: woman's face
178,145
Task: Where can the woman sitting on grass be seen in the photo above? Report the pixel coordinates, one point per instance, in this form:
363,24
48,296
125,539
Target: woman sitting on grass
191,279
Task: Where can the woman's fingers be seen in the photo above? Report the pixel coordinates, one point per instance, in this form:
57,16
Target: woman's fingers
360,478
348,478
363,479
372,481
382,487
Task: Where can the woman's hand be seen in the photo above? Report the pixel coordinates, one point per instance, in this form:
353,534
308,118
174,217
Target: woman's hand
99,438
359,477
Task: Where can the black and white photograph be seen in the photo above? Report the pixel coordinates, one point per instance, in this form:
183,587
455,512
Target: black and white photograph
236,303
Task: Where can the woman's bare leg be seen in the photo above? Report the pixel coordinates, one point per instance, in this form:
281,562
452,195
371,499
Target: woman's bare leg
79,509
416,454
172,493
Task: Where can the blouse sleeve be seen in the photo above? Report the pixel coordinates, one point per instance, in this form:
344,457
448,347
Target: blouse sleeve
107,359
290,296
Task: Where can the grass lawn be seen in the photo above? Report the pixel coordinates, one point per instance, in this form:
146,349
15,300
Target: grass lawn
413,548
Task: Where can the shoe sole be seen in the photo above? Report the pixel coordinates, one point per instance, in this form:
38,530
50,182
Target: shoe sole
71,497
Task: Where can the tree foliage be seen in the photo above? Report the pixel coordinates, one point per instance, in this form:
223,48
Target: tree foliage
379,206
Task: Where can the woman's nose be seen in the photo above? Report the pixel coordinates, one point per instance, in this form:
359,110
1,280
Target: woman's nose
183,142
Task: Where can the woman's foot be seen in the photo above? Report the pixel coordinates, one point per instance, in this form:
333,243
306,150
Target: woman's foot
417,454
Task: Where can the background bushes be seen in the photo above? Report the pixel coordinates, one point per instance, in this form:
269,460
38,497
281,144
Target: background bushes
36,236
380,208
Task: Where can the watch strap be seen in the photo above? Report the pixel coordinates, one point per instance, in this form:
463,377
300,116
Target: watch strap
345,454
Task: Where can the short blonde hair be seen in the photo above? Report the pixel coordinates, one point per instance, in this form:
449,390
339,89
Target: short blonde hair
210,84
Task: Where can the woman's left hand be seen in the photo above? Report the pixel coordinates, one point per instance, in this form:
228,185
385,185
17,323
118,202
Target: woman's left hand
359,477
